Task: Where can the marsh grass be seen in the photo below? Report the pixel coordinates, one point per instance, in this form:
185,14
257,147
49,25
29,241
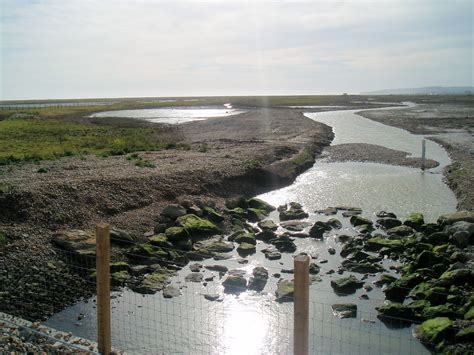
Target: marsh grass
27,139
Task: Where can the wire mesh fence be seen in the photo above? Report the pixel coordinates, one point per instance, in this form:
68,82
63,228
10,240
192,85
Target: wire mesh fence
166,304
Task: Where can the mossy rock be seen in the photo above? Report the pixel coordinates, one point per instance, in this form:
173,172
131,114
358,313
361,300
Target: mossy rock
378,242
359,221
119,266
198,227
395,312
362,267
120,277
400,231
3,239
465,335
234,284
284,291
267,225
399,289
344,310
255,215
415,220
176,234
429,292
443,310
246,238
346,285
238,213
418,306
246,249
160,240
149,254
260,205
213,215
456,277
434,330
153,282
469,314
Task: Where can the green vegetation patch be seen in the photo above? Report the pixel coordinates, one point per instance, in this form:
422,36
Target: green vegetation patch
27,139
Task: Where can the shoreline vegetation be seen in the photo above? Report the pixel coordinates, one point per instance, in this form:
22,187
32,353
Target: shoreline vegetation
64,175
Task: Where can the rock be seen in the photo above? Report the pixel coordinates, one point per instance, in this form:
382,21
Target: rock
284,244
160,240
196,267
267,225
197,227
358,221
327,211
246,249
246,238
427,259
443,310
438,238
120,277
193,209
119,266
219,256
314,268
346,285
344,310
400,231
388,223
213,297
213,245
313,279
331,251
284,291
177,235
383,214
274,255
237,202
349,209
378,242
255,215
456,277
395,312
234,284
218,268
194,277
318,229
120,237
359,256
361,267
295,226
153,282
160,228
213,215
260,205
451,218
287,271
343,238
294,212
469,315
76,241
334,223
434,330
385,279
399,289
265,235
258,279
150,254
460,239
171,291
415,221
368,287
351,213
173,211
465,335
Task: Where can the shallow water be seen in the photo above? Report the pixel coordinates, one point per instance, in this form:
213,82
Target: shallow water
252,323
172,115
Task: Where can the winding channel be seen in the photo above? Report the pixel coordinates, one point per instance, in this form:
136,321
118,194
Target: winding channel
253,323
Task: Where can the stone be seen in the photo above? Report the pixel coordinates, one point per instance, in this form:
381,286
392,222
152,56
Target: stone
194,277
120,237
196,267
153,282
258,279
218,268
314,268
160,240
246,238
150,254
294,212
213,215
400,231
415,220
234,284
461,239
284,291
266,235
346,285
438,238
76,241
197,227
465,335
456,277
171,291
213,245
334,223
331,251
351,213
383,214
388,223
318,229
451,218
119,266
427,259
246,249
274,255
361,267
343,238
177,235
120,277
344,310
385,279
442,310
327,211
213,297
284,244
295,226
267,225
236,202
260,205
255,215
394,312
358,221
399,289
434,330
173,211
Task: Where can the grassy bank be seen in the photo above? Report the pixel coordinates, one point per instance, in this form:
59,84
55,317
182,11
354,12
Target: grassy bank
30,139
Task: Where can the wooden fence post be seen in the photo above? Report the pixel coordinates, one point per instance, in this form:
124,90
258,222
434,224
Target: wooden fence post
301,310
103,287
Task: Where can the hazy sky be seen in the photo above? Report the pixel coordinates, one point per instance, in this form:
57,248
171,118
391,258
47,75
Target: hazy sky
72,49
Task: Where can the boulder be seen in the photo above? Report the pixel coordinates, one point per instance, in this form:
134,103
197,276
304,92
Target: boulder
314,268
295,226
284,291
260,205
150,254
119,266
394,312
245,249
271,253
173,211
234,284
213,297
294,212
160,240
120,237
442,310
120,277
456,277
246,238
334,223
358,221
361,267
196,267
400,231
460,239
197,227
388,223
218,268
255,215
427,291
76,241
385,279
378,242
265,235
267,225
465,335
194,277
318,229
177,235
346,285
415,220
213,215
344,310
434,330
451,218
384,214
427,259
258,279
438,238
284,244
153,282
399,289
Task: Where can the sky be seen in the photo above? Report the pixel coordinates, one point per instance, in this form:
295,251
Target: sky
86,49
